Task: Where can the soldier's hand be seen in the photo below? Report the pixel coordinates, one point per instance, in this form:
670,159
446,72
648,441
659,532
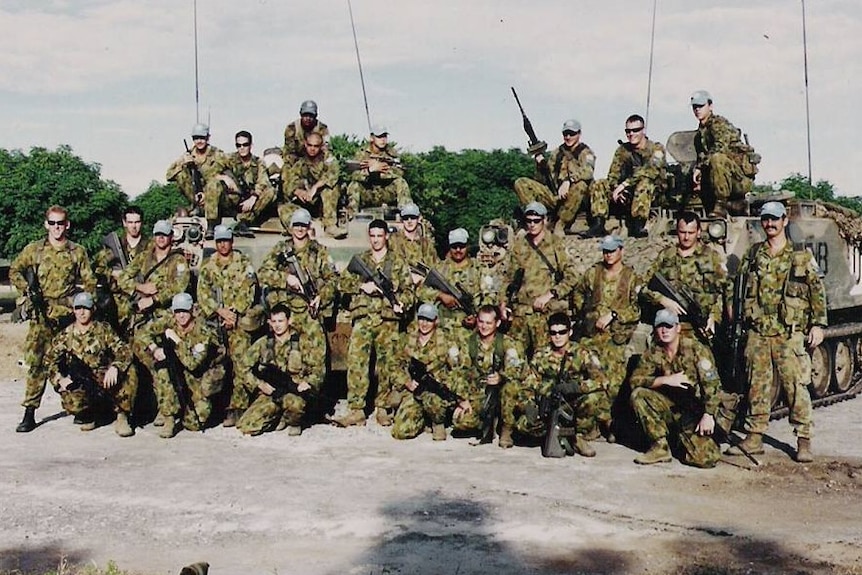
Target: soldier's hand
492,379
416,278
314,305
294,283
159,354
302,386
148,288
411,385
464,407
619,194
145,303
815,337
248,204
172,335
369,288
64,383
228,181
540,302
678,379
265,388
111,377
603,322
199,199
448,300
710,325
696,177
563,190
398,308
469,321
187,159
706,425
228,317
671,305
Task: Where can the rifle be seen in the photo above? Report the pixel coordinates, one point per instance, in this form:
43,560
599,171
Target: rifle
383,283
177,377
356,165
490,411
683,296
34,294
435,279
216,323
71,366
419,373
515,285
243,190
113,243
309,292
280,380
559,415
197,179
536,146
738,333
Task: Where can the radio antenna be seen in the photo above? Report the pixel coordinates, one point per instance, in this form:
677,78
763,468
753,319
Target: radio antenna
197,84
651,49
359,62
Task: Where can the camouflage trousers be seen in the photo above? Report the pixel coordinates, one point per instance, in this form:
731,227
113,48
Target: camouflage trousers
475,394
238,342
657,413
641,197
198,392
613,359
265,413
253,216
413,413
520,406
217,200
722,179
530,329
529,190
383,338
394,192
324,205
121,396
39,338
785,357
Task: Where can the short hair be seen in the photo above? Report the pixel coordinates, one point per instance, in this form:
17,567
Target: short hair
243,134
378,223
559,318
313,135
133,210
55,209
635,118
687,216
488,308
279,308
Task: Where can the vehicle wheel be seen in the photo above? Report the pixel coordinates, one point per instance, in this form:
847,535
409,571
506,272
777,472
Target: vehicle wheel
821,370
844,360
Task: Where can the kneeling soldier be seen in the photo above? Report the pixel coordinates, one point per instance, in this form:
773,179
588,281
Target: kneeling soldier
89,364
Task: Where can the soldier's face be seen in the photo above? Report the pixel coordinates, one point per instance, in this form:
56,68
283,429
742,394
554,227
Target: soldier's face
666,334
377,239
132,225
559,334
243,147
487,324
635,133
701,112
773,226
299,232
279,323
224,247
313,146
410,223
83,315
612,257
201,142
183,318
458,252
535,224
425,326
380,141
308,120
57,224
687,234
163,242
571,138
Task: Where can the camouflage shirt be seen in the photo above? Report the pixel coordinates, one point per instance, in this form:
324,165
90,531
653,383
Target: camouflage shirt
303,356
583,368
574,165
198,350
99,347
596,294
388,155
633,166
104,261
702,273
376,305
504,356
539,277
171,276
420,250
210,164
466,274
233,276
253,173
716,136
314,259
307,172
294,139
440,356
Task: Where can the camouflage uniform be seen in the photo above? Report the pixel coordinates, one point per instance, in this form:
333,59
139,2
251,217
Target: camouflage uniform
171,276
202,359
104,264
294,139
528,326
504,356
721,155
659,408
375,328
412,251
440,358
99,347
577,167
303,356
375,189
234,277
467,275
785,298
61,272
596,295
256,177
211,164
644,172
304,173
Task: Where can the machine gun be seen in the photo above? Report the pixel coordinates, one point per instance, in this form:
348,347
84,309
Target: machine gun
435,279
383,283
177,377
34,294
197,180
280,380
309,292
536,146
419,373
71,366
683,296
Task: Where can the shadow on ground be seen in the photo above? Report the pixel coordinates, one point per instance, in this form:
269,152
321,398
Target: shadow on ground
46,558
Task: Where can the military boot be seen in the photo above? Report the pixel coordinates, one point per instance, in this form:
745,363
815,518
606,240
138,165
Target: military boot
438,432
384,419
803,450
211,224
294,430
169,429
352,417
122,427
159,421
88,421
596,230
751,445
231,417
283,422
637,228
28,423
583,448
658,453
506,440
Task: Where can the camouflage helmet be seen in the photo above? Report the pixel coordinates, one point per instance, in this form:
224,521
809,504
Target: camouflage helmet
308,107
200,131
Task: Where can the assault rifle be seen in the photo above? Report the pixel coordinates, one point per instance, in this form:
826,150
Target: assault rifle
419,373
280,380
177,377
120,258
216,322
356,165
197,179
383,283
536,146
34,294
490,411
71,366
309,292
435,279
243,190
515,285
683,296
738,332
559,415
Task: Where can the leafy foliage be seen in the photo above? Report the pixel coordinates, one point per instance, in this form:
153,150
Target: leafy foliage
823,190
159,202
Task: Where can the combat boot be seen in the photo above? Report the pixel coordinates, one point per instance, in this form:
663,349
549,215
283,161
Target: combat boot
438,432
28,423
122,427
336,232
231,417
282,423
294,430
637,228
88,421
159,421
583,448
352,417
506,440
169,429
803,450
384,419
596,230
658,453
242,230
211,224
751,445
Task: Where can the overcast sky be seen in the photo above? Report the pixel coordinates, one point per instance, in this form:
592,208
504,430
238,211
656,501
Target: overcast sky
115,79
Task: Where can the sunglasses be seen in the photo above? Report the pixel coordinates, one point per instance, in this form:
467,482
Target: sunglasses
562,331
243,144
571,133
633,130
534,220
82,307
409,217
769,218
199,137
56,222
457,246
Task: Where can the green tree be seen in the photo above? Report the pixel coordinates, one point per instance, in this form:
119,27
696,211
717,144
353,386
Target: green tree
823,190
159,202
33,182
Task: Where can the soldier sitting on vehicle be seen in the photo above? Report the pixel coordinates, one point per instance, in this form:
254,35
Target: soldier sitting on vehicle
379,177
250,191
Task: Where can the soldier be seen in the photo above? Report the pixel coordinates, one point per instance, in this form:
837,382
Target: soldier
463,274
187,363
225,292
490,360
694,267
379,178
785,309
288,355
636,178
571,170
250,191
676,384
88,363
311,182
209,162
726,165
295,132
376,321
605,301
576,373
429,347
58,268
546,275
412,242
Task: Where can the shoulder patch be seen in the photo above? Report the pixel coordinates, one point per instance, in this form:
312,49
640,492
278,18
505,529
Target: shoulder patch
704,364
590,159
181,268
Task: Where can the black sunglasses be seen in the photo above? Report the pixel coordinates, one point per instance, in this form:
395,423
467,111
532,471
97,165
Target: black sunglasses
633,130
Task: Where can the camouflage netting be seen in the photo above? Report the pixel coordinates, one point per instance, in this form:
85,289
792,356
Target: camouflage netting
848,221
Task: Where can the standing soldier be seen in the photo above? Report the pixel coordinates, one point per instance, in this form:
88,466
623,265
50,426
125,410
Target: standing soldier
188,366
636,178
89,362
250,191
539,260
605,301
676,384
379,178
376,317
295,132
726,165
463,274
286,366
785,309
571,168
197,175
412,242
311,182
49,271
226,290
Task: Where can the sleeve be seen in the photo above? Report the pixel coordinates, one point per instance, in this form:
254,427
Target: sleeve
644,373
618,162
581,168
121,351
313,358
206,290
19,265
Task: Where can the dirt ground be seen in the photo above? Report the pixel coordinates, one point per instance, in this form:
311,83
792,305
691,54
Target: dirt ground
355,501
